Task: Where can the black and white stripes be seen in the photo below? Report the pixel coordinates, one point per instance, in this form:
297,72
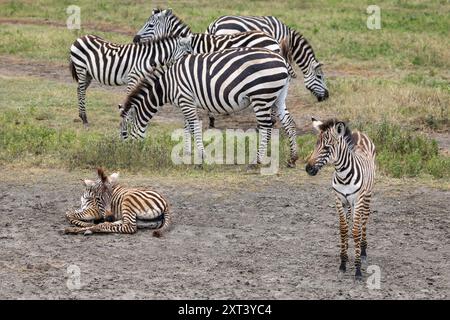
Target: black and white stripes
301,51
112,64
353,157
221,82
124,209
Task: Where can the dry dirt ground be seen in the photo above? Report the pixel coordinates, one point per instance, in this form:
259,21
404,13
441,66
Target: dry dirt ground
277,240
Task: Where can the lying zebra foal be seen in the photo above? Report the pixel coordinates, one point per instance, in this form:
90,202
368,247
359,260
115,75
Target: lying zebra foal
123,209
353,157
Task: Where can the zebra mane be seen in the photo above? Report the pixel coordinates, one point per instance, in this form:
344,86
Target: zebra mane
177,18
296,34
330,123
145,82
156,40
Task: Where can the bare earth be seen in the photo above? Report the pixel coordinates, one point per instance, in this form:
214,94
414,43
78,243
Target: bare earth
258,237
278,239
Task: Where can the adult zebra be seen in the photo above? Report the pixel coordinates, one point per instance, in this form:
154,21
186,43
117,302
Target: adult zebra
221,82
353,156
301,51
165,22
124,209
113,64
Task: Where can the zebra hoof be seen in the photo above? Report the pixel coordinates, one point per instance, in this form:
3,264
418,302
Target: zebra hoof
358,275
71,230
342,267
252,167
87,233
364,259
198,167
291,164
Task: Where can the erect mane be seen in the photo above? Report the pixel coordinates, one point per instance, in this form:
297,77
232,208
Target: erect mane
294,34
177,18
157,40
330,123
136,91
147,81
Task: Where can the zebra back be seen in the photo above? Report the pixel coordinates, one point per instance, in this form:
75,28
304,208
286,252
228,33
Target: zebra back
301,51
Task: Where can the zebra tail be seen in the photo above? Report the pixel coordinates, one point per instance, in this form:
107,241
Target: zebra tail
166,225
286,54
73,71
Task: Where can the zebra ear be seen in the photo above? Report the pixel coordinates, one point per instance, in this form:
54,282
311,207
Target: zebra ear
155,11
340,128
88,183
316,124
113,178
167,12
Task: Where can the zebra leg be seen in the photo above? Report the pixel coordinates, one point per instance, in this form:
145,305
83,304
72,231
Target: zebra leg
274,116
365,218
84,80
83,218
343,228
288,124
356,231
263,112
191,116
128,227
187,138
166,224
212,120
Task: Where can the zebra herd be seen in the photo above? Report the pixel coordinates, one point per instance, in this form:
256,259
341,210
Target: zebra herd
239,62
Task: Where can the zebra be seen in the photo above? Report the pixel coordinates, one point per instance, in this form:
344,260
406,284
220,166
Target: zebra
301,51
113,64
87,214
124,209
165,22
220,82
353,157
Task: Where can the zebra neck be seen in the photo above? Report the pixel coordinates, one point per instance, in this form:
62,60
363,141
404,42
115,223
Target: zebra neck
301,50
157,53
180,28
345,160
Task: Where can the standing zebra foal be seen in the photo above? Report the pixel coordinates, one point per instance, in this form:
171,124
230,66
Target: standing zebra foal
221,82
112,64
353,157
124,209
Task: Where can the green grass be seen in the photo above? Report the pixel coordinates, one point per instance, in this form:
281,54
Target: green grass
391,83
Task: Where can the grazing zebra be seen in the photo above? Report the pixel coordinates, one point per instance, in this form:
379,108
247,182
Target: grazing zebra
129,208
353,157
221,82
301,51
112,64
164,22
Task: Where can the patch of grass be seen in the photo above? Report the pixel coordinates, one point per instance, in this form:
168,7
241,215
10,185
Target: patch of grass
45,43
404,153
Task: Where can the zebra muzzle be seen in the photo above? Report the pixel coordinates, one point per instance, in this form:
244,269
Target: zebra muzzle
312,170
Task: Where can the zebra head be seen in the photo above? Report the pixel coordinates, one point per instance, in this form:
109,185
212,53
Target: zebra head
333,135
100,192
183,47
315,80
161,23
